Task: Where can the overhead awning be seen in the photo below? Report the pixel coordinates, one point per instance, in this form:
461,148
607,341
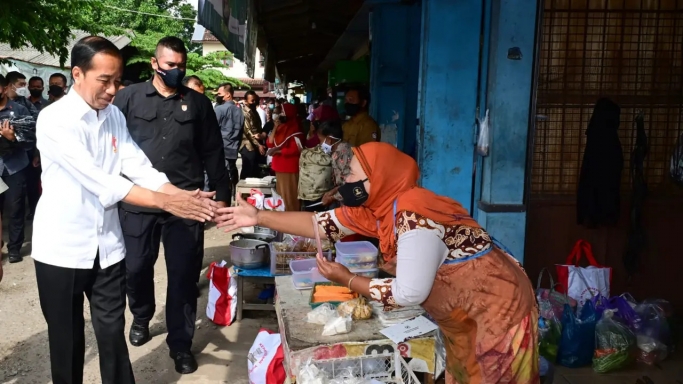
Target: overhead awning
226,19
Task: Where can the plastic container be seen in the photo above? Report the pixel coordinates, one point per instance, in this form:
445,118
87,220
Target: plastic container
279,261
305,273
369,273
357,255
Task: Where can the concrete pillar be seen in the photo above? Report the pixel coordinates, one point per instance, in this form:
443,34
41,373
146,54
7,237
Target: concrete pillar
449,70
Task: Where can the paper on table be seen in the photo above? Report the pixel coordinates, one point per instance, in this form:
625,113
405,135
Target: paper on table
409,329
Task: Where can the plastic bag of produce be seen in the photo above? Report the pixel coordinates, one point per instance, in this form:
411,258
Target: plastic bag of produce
550,333
653,335
322,314
614,344
338,326
578,337
621,308
358,309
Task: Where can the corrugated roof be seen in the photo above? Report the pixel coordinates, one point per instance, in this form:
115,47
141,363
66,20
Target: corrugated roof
205,34
34,56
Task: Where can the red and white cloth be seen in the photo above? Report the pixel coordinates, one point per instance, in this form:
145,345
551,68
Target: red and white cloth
265,359
222,304
582,283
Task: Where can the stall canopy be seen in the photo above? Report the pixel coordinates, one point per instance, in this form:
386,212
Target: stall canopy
295,35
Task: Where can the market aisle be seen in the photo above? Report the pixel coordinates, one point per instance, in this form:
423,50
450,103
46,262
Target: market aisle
221,351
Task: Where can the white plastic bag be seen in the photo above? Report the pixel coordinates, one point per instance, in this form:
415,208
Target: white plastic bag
265,358
222,303
322,314
338,326
484,139
310,374
274,203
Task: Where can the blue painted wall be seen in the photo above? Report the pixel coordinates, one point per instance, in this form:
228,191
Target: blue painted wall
394,70
449,69
502,207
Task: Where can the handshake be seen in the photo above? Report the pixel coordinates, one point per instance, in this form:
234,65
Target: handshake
194,205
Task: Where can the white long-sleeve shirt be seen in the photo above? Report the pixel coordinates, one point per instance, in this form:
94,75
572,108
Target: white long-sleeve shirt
84,154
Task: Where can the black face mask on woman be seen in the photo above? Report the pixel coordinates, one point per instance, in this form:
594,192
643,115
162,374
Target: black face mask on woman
354,194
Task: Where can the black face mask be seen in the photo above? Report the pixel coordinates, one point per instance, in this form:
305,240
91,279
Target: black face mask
352,109
36,92
56,91
219,99
173,78
282,118
252,106
354,194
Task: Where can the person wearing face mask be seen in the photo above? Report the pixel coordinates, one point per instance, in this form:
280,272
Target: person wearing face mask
57,87
35,89
252,134
17,91
441,259
332,144
285,143
319,166
360,128
177,129
320,115
231,120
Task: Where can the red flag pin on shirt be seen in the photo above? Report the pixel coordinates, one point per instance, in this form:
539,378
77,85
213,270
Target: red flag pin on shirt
113,143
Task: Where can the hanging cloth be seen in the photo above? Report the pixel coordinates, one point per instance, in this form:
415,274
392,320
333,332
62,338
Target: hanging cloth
636,233
599,196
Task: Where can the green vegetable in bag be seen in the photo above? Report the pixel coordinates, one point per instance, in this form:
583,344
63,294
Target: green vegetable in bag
550,334
615,344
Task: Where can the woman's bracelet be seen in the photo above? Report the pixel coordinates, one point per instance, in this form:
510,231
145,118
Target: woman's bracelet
351,280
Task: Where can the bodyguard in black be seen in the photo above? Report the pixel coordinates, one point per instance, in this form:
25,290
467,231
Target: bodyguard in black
177,129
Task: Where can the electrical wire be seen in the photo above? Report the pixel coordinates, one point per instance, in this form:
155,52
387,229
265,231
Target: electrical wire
149,14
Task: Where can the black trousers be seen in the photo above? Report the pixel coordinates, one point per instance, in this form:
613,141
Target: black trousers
231,164
33,187
61,293
16,210
249,163
183,245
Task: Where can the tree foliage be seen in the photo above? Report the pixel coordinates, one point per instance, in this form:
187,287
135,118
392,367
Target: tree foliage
46,25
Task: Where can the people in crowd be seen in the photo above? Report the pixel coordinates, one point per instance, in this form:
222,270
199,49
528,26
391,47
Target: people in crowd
442,259
332,144
17,91
315,176
361,128
195,83
7,144
36,86
177,129
320,115
261,110
78,244
231,120
57,87
13,171
251,146
270,124
285,143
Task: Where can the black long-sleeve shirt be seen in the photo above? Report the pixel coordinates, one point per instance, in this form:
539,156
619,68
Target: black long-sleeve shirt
179,134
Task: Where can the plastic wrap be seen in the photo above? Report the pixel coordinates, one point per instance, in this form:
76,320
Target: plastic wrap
338,326
578,337
322,314
614,344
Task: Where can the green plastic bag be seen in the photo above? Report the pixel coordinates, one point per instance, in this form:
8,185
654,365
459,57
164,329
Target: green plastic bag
550,333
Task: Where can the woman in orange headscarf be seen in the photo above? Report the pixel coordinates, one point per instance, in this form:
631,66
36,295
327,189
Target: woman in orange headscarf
285,143
443,260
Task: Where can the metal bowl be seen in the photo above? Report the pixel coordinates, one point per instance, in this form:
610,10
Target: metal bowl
254,236
249,253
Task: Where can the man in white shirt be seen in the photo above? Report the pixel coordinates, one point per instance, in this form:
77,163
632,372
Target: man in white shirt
78,245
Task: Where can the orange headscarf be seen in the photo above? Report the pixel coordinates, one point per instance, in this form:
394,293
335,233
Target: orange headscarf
393,177
289,129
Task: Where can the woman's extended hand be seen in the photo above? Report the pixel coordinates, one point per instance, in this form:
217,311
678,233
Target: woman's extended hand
334,272
240,216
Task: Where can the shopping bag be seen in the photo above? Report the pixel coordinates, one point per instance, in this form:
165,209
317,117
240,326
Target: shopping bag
578,337
222,303
621,307
274,203
265,359
581,283
614,344
550,301
256,198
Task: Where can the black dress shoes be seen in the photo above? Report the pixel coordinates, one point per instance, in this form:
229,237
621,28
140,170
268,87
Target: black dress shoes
184,362
139,334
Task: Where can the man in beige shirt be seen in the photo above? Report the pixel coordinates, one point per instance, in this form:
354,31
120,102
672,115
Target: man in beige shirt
361,128
251,147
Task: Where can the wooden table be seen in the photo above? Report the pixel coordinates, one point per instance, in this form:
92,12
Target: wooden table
302,340
261,275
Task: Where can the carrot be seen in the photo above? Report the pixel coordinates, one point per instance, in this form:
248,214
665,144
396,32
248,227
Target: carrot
332,289
321,297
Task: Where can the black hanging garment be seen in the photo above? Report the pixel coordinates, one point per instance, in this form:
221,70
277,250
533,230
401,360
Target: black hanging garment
636,233
598,197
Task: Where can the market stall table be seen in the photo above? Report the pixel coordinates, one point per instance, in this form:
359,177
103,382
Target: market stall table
302,340
262,276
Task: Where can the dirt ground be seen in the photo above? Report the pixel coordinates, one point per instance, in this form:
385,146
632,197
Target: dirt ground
221,351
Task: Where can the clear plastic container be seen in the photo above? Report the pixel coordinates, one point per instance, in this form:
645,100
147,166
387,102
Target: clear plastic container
369,273
305,273
357,255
